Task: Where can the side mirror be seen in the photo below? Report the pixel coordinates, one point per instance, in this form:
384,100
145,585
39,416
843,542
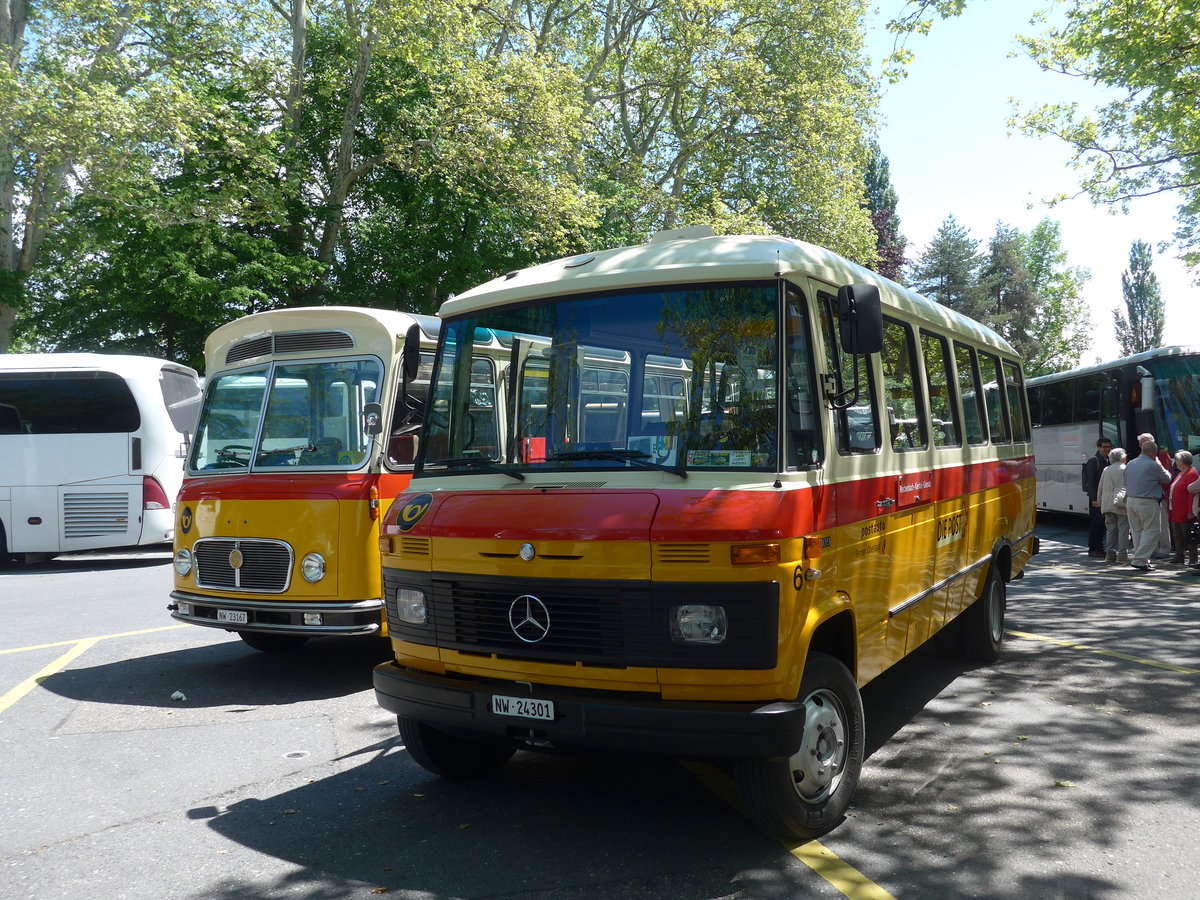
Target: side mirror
860,318
372,419
411,358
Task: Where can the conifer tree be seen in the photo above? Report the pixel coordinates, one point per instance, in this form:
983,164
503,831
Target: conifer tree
1143,329
1006,284
948,270
890,244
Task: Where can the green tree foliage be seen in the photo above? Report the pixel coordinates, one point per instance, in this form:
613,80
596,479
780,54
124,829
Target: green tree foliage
1061,319
390,153
1008,300
1021,286
1146,141
1143,142
1142,328
103,98
890,244
748,115
948,270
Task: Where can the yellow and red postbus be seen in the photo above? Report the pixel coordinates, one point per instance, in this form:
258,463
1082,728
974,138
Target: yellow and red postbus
306,435
686,498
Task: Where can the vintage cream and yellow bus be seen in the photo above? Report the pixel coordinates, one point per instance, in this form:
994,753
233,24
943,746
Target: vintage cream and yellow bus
306,435
623,535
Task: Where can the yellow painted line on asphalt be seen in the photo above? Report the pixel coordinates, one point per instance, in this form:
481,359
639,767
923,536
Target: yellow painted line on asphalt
1170,667
58,665
79,646
95,640
835,870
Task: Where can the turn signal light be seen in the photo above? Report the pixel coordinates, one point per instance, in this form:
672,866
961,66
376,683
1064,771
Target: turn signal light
754,555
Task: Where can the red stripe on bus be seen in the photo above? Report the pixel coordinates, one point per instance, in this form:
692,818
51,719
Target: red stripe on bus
699,516
338,485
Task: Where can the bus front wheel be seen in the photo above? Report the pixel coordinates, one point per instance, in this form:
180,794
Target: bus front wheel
453,757
272,643
807,794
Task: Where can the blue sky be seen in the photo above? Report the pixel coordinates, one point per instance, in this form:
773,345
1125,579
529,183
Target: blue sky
946,137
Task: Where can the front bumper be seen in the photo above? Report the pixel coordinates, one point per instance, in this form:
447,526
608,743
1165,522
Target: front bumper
360,617
589,720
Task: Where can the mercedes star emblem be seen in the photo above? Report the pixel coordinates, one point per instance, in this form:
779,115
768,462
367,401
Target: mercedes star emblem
529,619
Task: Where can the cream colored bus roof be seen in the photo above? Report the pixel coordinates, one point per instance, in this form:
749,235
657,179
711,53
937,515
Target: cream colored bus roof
707,259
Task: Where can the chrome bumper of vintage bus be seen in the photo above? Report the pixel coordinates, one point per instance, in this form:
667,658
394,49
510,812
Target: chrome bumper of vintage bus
315,618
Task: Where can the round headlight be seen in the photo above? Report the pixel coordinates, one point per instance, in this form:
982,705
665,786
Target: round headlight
183,562
312,567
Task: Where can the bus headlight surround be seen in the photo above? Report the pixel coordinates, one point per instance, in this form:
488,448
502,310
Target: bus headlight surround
699,623
410,606
312,567
183,562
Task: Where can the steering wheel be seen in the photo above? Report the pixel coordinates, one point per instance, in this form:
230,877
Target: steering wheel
230,450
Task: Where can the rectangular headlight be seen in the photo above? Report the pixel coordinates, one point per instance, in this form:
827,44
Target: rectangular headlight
698,623
410,606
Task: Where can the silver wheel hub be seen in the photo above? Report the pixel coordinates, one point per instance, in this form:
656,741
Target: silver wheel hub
817,766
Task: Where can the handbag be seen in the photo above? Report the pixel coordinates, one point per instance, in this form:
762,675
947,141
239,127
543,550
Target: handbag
1193,532
1119,501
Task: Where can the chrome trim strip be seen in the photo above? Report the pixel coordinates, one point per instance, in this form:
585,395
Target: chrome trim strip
945,582
268,606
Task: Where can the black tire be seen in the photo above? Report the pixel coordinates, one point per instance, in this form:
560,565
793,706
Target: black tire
267,642
805,796
449,756
982,625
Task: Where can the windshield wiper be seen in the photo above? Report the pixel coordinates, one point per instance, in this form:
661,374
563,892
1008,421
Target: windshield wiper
637,457
483,464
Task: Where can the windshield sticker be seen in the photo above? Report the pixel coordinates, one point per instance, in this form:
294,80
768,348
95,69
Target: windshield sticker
727,458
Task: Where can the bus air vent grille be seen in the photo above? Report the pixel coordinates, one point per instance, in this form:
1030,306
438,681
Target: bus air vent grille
263,566
413,546
304,341
249,349
91,515
682,554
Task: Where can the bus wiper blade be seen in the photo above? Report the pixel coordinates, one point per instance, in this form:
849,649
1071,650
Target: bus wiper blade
637,457
476,462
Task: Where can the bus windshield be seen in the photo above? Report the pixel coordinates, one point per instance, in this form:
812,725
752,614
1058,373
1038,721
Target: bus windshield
288,414
1177,385
677,379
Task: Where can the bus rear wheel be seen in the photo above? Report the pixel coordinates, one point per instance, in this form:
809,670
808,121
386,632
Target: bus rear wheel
807,794
448,755
272,643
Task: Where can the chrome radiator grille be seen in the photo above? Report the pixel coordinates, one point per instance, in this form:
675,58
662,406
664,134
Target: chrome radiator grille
243,565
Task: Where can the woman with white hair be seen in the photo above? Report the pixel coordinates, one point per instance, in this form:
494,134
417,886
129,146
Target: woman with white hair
1180,511
1111,494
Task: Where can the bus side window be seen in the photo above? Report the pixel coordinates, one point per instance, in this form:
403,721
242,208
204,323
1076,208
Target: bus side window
857,427
1014,386
971,392
906,418
1055,403
942,403
994,399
